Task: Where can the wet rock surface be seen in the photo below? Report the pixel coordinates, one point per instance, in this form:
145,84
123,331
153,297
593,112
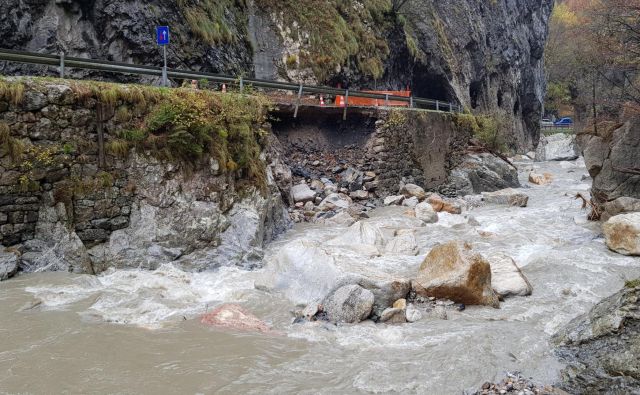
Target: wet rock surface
516,383
612,159
602,347
8,263
622,233
454,271
349,304
482,173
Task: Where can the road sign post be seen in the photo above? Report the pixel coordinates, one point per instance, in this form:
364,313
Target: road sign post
162,36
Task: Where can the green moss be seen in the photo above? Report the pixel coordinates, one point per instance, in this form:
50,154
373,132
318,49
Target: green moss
10,145
632,283
488,129
337,33
209,19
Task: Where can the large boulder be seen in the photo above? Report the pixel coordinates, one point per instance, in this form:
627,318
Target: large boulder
506,277
622,233
453,271
508,197
612,158
349,304
482,173
602,347
231,316
8,264
557,147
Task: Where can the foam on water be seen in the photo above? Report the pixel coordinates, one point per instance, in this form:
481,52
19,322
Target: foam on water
148,298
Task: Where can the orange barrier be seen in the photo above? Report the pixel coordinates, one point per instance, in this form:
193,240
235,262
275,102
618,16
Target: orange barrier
366,102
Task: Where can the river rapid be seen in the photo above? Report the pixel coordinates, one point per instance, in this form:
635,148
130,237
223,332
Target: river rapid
138,332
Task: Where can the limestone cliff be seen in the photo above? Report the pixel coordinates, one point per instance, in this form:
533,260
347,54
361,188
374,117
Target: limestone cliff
486,55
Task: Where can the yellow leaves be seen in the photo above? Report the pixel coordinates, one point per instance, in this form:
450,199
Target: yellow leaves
563,15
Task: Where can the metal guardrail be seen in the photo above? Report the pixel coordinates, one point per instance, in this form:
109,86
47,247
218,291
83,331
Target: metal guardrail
63,62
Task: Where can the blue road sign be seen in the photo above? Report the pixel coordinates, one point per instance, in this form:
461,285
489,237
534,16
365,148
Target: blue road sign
162,33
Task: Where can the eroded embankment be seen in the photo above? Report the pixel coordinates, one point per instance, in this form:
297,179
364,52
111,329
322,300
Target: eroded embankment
94,175
367,157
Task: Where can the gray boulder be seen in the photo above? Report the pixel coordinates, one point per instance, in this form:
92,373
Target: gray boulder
602,347
349,304
613,159
8,264
482,173
557,147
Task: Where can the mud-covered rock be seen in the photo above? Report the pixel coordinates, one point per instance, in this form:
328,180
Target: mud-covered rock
622,233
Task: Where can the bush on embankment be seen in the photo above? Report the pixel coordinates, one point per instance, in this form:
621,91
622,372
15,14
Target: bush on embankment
184,126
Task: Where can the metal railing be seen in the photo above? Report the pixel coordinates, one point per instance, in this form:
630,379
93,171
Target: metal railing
63,62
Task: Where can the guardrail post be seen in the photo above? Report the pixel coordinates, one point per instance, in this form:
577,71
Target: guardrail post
386,100
450,107
295,113
241,84
411,101
437,105
62,65
346,104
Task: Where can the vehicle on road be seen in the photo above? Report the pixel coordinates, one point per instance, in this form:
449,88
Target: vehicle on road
564,122
546,122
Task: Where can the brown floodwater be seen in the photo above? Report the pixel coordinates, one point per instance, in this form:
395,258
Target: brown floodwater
137,332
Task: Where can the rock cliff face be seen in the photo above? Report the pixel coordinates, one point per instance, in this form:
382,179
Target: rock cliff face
612,156
62,209
484,55
602,347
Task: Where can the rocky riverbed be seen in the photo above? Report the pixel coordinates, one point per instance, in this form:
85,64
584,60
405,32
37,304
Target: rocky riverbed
99,325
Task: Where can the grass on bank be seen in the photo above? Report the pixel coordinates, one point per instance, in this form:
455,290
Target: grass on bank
337,32
632,283
178,125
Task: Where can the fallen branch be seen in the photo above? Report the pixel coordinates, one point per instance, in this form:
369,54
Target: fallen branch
595,213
